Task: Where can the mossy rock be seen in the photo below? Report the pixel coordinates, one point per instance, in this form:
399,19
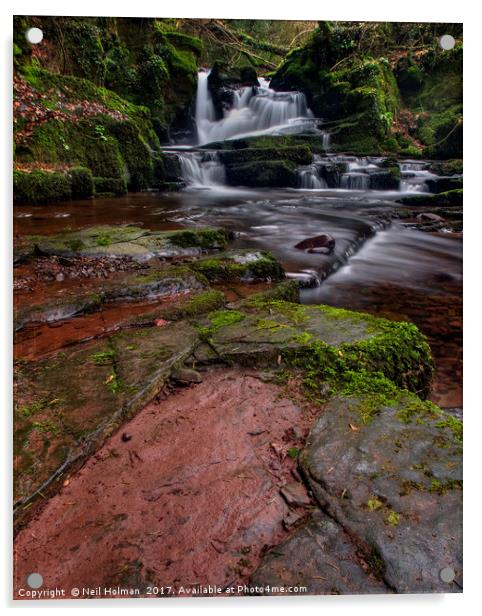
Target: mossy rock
127,240
450,198
41,187
447,167
274,173
82,183
241,265
68,404
327,344
299,154
111,186
396,485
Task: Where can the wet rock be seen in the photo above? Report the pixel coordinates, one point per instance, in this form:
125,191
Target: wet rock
295,495
272,173
69,403
320,556
299,154
125,241
243,265
149,284
186,376
292,519
444,199
323,244
271,333
444,184
423,216
393,484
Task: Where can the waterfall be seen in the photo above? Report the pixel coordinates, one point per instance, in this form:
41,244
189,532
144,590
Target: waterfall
205,113
255,111
309,178
355,181
201,169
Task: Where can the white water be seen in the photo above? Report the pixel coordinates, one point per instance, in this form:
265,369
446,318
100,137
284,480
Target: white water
255,111
201,169
309,178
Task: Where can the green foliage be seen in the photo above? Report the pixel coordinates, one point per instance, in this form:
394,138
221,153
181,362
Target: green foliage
103,358
115,186
82,183
40,187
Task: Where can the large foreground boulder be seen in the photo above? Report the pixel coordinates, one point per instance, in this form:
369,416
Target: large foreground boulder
390,474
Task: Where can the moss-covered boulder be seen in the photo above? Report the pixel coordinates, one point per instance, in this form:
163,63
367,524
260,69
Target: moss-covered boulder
41,187
127,240
240,265
328,344
444,199
273,173
82,183
299,154
359,97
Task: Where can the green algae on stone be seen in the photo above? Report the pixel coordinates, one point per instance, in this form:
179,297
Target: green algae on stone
244,265
125,240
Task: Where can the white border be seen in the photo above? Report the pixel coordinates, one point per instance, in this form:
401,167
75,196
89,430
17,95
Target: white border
353,10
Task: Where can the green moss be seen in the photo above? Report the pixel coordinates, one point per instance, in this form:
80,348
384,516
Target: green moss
40,187
82,183
392,519
293,452
270,173
207,301
247,265
448,198
204,238
114,186
374,504
299,154
103,358
219,319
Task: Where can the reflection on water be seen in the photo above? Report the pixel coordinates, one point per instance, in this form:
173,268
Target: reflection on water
385,270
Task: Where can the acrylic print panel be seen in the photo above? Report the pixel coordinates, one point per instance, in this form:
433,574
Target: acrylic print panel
238,307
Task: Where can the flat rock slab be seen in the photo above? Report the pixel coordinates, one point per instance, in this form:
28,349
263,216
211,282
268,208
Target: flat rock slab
189,496
126,241
67,404
394,484
145,285
320,557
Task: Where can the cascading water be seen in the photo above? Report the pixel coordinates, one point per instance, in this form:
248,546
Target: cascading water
201,169
254,111
309,178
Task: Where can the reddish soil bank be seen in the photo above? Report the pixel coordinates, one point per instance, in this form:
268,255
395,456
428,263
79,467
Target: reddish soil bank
186,493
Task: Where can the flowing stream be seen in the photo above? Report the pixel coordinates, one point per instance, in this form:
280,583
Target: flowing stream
377,266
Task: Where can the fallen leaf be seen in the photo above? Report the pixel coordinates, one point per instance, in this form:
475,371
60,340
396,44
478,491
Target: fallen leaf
354,428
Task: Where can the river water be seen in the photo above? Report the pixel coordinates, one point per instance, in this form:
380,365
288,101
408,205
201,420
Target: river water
378,267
